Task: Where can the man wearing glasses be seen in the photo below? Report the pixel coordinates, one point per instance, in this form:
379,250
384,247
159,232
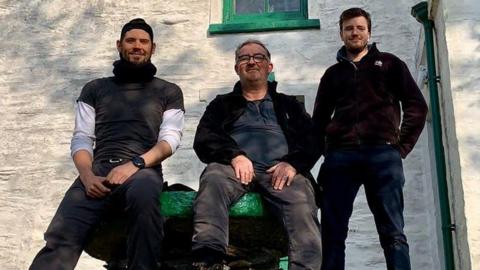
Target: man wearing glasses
252,140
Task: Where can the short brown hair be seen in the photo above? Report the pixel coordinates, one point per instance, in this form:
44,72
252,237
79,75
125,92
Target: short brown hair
251,41
353,13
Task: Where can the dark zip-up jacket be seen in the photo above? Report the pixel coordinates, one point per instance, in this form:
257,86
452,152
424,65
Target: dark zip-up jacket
213,143
359,103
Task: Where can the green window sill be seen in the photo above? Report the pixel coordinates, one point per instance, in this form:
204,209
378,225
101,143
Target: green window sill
263,26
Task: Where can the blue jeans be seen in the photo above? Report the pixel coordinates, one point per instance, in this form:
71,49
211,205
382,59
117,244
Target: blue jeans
379,168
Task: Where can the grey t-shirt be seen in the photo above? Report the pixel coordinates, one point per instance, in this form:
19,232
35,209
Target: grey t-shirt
128,115
258,133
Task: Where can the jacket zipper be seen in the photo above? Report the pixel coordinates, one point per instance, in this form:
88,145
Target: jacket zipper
355,126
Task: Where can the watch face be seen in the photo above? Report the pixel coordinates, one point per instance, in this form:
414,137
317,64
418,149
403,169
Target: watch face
138,162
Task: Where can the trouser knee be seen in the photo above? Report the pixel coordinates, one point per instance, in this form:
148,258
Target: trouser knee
144,191
217,188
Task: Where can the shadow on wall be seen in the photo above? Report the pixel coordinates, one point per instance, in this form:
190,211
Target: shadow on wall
73,44
474,155
57,45
467,85
67,44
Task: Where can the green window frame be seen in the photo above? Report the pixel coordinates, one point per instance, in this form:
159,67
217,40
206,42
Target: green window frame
260,22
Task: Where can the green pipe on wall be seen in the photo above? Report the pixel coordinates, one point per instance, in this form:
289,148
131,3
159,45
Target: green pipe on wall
420,12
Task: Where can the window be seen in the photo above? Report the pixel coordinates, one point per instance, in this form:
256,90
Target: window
263,15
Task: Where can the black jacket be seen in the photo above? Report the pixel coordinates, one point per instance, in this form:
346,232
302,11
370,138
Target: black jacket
212,140
359,103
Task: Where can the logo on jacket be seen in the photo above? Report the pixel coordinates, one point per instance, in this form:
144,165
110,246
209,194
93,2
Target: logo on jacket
378,63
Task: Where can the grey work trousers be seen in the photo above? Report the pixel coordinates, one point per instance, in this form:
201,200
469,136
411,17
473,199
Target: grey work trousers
294,206
78,214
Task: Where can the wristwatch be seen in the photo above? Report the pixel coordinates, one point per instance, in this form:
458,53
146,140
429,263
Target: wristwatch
139,162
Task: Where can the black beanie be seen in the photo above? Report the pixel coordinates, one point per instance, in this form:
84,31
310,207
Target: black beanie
137,23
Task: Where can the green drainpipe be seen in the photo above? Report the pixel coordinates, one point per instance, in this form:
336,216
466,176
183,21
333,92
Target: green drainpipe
420,12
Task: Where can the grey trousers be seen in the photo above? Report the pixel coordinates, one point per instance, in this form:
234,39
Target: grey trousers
294,206
78,214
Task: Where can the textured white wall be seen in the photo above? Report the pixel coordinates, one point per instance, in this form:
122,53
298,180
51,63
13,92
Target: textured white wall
51,48
458,40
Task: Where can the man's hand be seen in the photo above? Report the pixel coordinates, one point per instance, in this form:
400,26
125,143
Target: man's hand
282,173
243,168
93,186
121,173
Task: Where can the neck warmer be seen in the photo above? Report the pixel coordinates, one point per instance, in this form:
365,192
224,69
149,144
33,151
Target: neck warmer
125,71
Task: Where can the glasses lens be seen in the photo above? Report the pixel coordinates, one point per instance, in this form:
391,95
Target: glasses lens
243,59
259,58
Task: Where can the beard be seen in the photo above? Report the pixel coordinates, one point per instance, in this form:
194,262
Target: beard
356,49
139,61
131,59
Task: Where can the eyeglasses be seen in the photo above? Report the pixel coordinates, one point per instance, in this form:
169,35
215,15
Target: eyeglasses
257,58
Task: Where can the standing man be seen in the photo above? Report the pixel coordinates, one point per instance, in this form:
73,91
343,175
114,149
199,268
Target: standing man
251,139
136,121
360,131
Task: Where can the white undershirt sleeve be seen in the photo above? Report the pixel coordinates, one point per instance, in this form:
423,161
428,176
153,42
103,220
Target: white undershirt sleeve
171,129
84,132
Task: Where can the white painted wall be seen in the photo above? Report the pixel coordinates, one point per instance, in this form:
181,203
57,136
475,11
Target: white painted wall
51,48
457,25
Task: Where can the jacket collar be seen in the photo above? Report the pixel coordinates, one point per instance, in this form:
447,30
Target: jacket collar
342,53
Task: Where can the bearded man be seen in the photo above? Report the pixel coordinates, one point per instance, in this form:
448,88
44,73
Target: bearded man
363,137
135,121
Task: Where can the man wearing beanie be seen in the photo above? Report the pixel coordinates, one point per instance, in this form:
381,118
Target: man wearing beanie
135,121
